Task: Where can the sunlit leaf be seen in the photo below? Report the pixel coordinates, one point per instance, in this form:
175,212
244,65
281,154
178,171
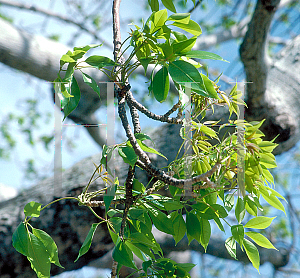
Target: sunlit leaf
259,222
260,240
32,209
252,253
88,241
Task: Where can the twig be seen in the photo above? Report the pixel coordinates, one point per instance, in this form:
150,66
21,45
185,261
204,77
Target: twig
164,118
114,269
128,199
54,15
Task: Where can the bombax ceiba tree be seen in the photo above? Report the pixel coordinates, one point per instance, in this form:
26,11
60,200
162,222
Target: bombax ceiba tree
194,180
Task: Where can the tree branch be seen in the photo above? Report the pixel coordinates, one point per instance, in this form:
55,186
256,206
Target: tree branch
254,55
29,7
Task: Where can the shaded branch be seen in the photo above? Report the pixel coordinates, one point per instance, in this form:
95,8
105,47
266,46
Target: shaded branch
253,52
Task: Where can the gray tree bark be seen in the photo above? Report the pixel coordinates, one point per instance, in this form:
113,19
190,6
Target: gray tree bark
278,102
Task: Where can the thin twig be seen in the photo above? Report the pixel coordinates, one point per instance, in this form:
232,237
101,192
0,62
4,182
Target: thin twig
54,15
114,269
164,118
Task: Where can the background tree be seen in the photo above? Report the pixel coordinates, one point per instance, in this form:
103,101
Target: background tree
280,109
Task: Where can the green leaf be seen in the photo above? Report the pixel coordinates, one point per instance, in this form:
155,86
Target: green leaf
72,102
138,186
66,59
88,241
252,253
205,232
91,82
38,257
87,47
160,220
68,75
141,238
20,239
193,229
260,240
271,198
161,84
148,149
158,20
219,210
229,202
259,222
240,210
209,87
180,17
154,5
49,244
238,233
179,226
169,5
32,209
109,196
182,71
123,255
99,61
128,154
183,46
171,204
136,250
192,27
199,54
230,245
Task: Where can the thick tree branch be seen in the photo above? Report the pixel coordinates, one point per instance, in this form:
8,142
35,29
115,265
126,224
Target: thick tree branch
254,56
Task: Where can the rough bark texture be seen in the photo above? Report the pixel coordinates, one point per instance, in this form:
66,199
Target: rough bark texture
68,223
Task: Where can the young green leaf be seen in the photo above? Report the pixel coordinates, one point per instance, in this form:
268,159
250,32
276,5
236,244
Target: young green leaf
141,238
158,20
260,240
161,84
252,253
193,228
32,209
20,239
109,196
138,186
38,257
192,27
91,82
169,5
123,255
205,232
183,46
240,210
72,102
87,47
238,233
199,54
145,148
230,245
209,87
154,5
161,221
128,154
66,59
49,244
88,241
99,61
183,18
179,226
259,222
